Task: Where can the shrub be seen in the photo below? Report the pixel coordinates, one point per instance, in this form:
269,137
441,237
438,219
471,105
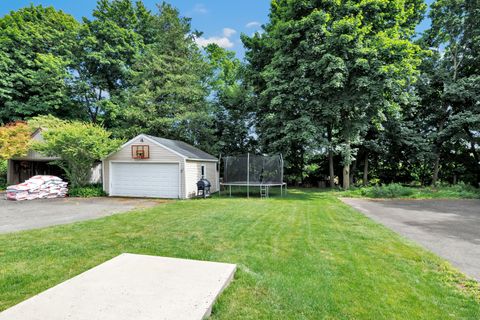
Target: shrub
78,145
3,174
90,191
460,190
14,140
393,190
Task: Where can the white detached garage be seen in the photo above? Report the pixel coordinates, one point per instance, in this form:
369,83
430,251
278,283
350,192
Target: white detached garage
148,166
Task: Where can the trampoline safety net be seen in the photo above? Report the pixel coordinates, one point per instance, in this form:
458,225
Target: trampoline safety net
253,170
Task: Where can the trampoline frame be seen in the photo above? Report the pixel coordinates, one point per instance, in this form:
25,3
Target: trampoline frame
267,185
283,187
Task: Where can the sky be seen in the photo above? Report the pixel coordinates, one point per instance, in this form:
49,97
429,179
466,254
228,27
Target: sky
221,21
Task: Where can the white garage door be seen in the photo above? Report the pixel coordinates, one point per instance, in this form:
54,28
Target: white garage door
158,180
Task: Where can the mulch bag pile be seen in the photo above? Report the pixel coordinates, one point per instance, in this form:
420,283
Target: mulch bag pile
38,187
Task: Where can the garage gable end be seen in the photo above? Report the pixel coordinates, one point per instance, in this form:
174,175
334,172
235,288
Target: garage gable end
157,151
135,176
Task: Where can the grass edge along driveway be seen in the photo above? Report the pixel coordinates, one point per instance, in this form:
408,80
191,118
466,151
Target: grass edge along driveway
306,256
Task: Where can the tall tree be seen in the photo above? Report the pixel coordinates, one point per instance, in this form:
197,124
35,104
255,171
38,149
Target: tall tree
324,64
36,45
108,47
230,97
170,85
452,80
282,125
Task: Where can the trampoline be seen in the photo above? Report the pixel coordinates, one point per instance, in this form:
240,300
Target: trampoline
250,170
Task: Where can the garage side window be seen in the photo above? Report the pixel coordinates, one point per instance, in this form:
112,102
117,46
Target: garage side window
203,171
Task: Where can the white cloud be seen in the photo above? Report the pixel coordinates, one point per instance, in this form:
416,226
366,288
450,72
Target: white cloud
222,41
228,32
253,24
200,8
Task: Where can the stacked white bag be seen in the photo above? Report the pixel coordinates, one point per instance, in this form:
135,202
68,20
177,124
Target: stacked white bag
38,187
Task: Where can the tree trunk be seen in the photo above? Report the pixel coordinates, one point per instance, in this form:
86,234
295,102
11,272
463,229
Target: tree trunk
347,152
436,168
347,157
330,169
353,169
346,177
475,154
330,159
365,169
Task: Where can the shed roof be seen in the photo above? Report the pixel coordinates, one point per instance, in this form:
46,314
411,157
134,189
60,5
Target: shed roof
185,149
33,155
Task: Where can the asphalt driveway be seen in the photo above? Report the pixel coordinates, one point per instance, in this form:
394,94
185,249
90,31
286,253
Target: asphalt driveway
450,228
24,215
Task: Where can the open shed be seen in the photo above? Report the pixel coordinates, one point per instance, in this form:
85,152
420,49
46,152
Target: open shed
35,163
149,166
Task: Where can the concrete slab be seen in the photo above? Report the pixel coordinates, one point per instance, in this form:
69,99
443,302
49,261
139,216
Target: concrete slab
131,286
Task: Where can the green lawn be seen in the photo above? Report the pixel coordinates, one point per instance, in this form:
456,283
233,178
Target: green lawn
306,256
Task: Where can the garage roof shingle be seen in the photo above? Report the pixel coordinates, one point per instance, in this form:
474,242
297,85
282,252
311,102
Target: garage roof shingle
183,148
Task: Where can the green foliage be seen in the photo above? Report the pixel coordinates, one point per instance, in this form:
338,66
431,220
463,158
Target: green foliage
451,91
89,191
169,93
397,152
338,83
460,190
233,112
78,145
108,47
14,140
35,54
337,65
395,190
46,121
3,174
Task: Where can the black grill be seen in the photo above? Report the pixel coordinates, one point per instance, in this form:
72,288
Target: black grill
203,188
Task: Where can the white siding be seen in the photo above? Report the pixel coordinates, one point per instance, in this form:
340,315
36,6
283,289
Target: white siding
193,173
157,154
96,173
